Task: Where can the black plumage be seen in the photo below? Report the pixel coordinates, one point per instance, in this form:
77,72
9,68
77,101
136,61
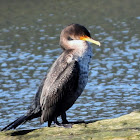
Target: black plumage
65,80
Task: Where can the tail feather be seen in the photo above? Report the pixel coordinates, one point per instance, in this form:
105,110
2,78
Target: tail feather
22,119
16,123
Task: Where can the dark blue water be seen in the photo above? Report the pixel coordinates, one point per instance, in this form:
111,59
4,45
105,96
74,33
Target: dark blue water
29,44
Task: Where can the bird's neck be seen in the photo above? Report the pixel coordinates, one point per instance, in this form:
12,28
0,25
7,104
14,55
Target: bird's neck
83,52
80,53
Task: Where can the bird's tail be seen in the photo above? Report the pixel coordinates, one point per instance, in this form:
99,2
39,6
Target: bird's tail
21,120
16,123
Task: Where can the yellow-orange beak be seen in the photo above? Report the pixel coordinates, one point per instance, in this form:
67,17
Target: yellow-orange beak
86,38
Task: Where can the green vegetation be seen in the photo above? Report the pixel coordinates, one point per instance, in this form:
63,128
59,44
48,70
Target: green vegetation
126,127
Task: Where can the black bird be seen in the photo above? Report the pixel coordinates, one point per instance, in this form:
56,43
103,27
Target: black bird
65,80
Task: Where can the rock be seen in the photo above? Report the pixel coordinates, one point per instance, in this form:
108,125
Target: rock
126,127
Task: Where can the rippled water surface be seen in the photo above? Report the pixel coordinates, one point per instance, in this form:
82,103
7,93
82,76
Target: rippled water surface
29,44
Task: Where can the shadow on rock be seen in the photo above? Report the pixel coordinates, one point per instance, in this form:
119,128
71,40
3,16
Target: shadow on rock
21,132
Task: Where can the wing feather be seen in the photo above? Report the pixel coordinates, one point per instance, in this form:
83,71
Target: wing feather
59,88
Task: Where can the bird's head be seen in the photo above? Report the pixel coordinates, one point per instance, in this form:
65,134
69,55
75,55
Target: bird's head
74,33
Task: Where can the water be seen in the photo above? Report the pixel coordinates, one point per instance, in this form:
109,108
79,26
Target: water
29,44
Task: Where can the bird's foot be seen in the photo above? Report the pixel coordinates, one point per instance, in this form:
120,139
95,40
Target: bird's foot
63,124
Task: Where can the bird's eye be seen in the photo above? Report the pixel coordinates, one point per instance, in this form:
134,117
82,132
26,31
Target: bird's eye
69,38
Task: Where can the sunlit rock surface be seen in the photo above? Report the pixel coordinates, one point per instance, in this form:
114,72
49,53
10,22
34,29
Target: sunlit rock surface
126,127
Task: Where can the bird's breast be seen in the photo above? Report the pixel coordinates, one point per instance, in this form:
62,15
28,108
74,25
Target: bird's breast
84,70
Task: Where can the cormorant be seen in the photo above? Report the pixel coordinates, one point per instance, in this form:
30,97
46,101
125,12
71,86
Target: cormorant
65,80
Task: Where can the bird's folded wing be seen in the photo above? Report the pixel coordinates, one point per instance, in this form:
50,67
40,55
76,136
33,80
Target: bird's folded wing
62,81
